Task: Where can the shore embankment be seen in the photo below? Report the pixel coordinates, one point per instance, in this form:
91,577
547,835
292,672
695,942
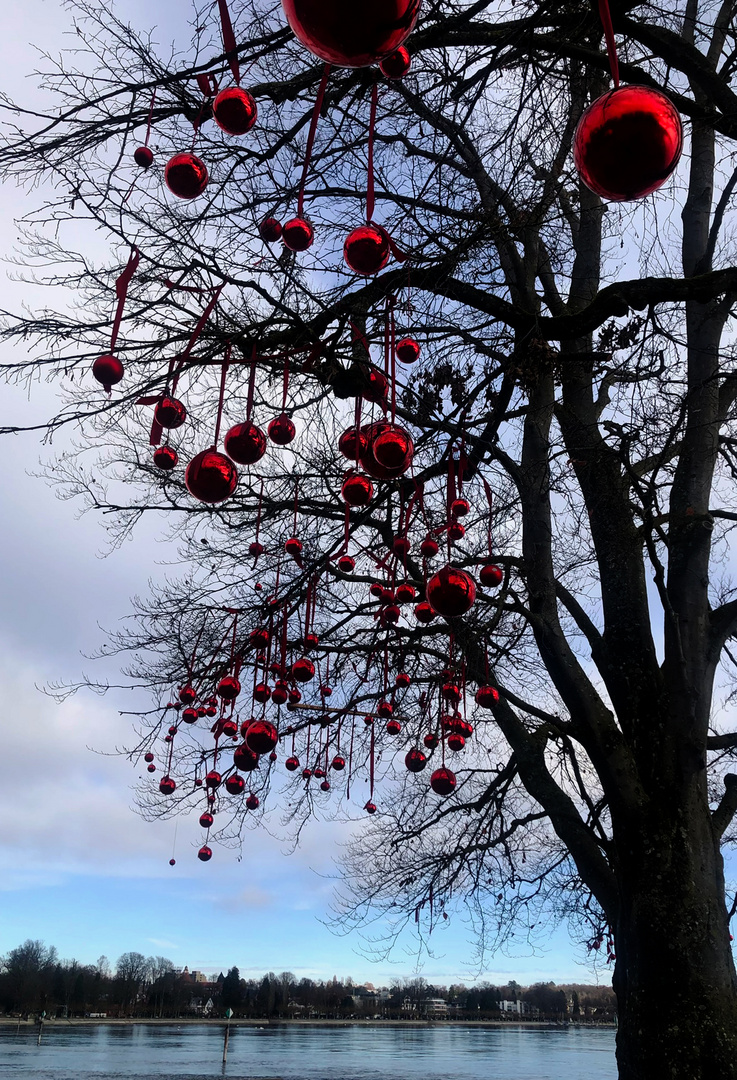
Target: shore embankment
192,1021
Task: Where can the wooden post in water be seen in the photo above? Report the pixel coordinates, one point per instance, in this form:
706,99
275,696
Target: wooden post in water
228,1015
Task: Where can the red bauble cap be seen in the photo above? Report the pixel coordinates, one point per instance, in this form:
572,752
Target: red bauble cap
424,612
142,156
167,785
228,688
297,234
352,443
351,35
270,230
487,696
234,110
346,564
291,764
108,370
490,575
415,760
357,490
407,350
442,781
204,854
281,430
211,477
367,249
303,669
628,143
397,64
166,458
252,802
186,176
393,448
170,413
245,759
451,592
338,763
245,443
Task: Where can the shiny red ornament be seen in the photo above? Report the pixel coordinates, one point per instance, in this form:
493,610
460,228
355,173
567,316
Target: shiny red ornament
397,64
273,756
357,490
393,727
190,716
487,697
405,593
451,693
167,785
369,460
148,756
456,531
297,234
368,720
281,430
338,763
170,413
370,808
262,737
213,779
230,728
234,785
244,758
186,176
431,740
415,760
456,742
211,477
259,638
325,785
234,110
206,820
143,157
187,694
172,862
367,249
280,693
377,591
165,458
303,670
490,575
442,781
245,443
173,730
628,143
402,680
167,738
459,508
256,549
151,768
325,692
252,802
351,35
262,692
108,371
311,641
291,764
401,546
429,548
270,230
407,351
451,592
228,688
390,615
293,547
385,708
352,443
376,387
424,612
295,696
346,564
204,854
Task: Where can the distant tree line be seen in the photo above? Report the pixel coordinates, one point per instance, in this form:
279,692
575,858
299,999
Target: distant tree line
34,979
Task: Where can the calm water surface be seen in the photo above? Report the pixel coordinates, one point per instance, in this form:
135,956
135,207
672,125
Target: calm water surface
348,1053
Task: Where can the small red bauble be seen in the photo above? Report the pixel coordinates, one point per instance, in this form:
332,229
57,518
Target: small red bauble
293,547
311,641
346,564
628,143
281,430
442,781
306,774
401,546
451,592
270,230
405,593
108,371
167,785
429,548
151,768
212,780
396,65
456,531
351,35
385,708
187,694
370,808
190,715
259,638
170,413
172,862
229,688
459,508
204,854
490,575
487,697
173,730
456,742
230,728
368,720
402,680
280,693
234,110
206,820
252,802
352,443
376,387
262,737
262,692
186,176
167,738
377,591
393,727
407,350
325,692
256,549
366,250
234,785
415,760
165,458
297,234
430,740
211,477
424,612
451,693
291,764
148,756
245,759
357,490
325,785
143,156
245,443
390,615
295,696
303,670
338,763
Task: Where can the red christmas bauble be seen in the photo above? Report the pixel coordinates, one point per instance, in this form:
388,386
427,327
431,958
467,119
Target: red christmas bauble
429,548
456,742
186,176
150,768
167,785
259,638
280,693
245,443
393,448
370,808
628,143
228,688
270,230
190,716
293,547
108,371
204,854
393,727
262,692
262,737
295,696
170,413
206,820
430,740
252,802
167,738
415,760
303,669
405,593
291,764
351,35
172,862
401,546
346,564
368,720
211,477
442,781
402,680
244,758
173,730
187,694
366,250
325,785
281,430
325,692
297,234
357,490
148,756
490,575
377,591
390,615
459,507
234,110
407,351
368,459
165,458
375,388
451,592
256,549
142,156
235,784
311,641
451,693
212,780
230,728
487,696
385,708
338,763
306,774
424,612
352,443
397,64
456,531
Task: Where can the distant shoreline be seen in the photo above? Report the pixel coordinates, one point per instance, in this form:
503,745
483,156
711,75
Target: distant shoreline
244,1022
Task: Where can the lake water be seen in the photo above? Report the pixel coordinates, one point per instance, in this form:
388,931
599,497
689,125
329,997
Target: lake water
178,1052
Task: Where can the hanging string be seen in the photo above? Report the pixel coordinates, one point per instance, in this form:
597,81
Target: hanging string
350,759
150,117
285,386
229,44
489,497
371,772
121,291
311,139
392,355
370,196
251,384
606,20
221,399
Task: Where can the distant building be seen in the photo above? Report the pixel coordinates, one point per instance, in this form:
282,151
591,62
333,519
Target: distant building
434,1007
520,1008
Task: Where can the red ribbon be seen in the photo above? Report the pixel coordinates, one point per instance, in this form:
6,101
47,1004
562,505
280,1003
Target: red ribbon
611,47
229,40
370,199
221,399
311,138
121,291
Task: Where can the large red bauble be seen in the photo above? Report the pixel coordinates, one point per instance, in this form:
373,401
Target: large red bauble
376,387
204,854
262,692
442,781
186,176
213,778
262,737
357,490
270,230
393,448
281,430
415,760
405,593
424,612
628,142
234,110
245,443
397,64
235,784
187,694
228,688
206,820
211,477
407,350
490,575
297,234
108,370
402,680
338,763
165,458
293,547
429,548
142,156
451,592
303,670
170,413
351,35
244,758
487,697
190,715
368,459
167,785
291,764
459,507
367,249
352,443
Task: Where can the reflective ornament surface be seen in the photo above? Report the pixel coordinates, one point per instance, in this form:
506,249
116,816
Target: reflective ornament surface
424,612
366,250
405,593
297,234
252,802
291,764
338,763
234,110
407,351
429,548
368,459
281,430
245,759
108,371
357,490
270,230
245,443
228,688
487,696
490,575
346,564
351,35
211,477
204,854
165,458
235,784
352,443
415,760
376,388
170,413
459,507
303,670
442,781
393,449
396,65
186,176
142,156
167,785
451,592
